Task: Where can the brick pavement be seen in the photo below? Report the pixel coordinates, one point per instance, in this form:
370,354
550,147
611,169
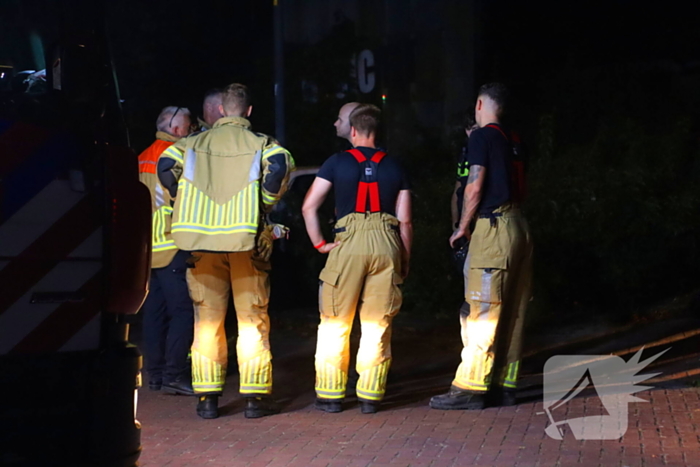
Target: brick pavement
662,432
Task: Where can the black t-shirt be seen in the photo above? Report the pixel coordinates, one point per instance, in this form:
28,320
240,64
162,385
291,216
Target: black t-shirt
343,171
491,149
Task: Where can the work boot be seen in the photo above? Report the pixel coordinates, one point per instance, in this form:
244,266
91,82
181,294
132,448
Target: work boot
501,397
458,399
369,406
256,407
179,386
208,406
329,405
155,384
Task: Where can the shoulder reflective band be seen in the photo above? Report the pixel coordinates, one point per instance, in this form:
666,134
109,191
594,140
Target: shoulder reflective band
368,186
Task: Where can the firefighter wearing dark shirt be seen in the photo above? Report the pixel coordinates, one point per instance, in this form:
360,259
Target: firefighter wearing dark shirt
498,267
367,262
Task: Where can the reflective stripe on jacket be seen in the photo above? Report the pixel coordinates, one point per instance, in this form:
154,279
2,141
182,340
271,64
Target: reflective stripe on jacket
222,176
162,245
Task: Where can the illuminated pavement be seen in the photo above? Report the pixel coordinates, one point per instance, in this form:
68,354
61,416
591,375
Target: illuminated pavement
662,432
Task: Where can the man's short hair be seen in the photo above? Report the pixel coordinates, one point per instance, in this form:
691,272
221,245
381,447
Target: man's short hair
167,115
213,92
497,92
236,98
365,119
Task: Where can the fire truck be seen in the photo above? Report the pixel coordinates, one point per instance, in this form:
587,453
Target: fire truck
74,243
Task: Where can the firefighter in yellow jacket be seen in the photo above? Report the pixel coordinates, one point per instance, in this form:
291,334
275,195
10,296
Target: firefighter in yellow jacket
224,180
367,262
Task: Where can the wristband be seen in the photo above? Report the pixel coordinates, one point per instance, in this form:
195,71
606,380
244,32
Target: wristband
323,242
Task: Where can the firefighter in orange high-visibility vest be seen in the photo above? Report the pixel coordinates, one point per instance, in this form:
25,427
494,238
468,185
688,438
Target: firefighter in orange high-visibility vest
168,315
367,261
226,179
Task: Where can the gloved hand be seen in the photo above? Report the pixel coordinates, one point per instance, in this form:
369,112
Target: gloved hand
264,243
269,233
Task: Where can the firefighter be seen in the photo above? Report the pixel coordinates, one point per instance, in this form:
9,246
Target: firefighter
226,178
210,109
342,123
367,261
498,266
168,316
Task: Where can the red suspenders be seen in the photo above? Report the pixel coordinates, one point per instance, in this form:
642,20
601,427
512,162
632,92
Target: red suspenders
368,186
499,130
517,176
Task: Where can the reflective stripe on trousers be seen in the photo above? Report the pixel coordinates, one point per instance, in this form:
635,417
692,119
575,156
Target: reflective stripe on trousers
213,278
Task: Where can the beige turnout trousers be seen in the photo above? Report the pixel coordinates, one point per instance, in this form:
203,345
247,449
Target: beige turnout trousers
497,284
362,274
213,278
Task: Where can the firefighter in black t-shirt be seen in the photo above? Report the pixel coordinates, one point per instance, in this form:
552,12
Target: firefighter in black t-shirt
498,268
366,264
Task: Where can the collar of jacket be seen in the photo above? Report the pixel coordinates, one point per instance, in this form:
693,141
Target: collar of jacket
238,121
203,125
166,137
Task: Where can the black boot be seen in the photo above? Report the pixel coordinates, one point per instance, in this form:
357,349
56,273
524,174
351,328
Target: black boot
256,407
458,399
208,406
368,407
501,397
180,386
155,384
329,405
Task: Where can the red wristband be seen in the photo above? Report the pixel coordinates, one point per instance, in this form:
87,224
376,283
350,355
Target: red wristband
323,242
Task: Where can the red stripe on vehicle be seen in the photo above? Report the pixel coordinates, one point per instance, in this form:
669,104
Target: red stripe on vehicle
66,321
52,247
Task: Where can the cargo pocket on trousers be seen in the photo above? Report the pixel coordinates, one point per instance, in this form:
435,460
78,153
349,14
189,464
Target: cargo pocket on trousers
485,285
396,298
327,292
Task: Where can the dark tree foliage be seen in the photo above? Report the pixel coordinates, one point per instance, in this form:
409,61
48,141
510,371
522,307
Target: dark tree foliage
614,188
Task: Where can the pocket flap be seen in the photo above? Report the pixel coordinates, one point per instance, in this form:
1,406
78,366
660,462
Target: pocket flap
488,262
329,276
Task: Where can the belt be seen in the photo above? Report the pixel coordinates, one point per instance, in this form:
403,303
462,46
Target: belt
491,216
343,229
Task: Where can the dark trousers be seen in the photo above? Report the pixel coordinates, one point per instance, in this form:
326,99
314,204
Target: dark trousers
168,322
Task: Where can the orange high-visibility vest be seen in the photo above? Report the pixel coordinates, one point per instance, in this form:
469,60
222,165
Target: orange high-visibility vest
162,245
